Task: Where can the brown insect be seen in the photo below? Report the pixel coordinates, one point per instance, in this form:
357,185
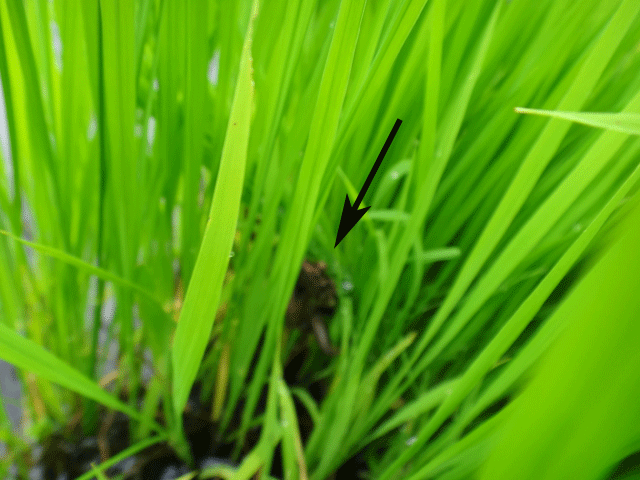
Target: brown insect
314,301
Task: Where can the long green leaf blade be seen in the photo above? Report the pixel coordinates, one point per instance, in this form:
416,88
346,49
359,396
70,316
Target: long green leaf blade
203,294
625,122
28,355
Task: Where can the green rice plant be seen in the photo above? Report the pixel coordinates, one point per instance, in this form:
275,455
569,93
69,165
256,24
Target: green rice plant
167,167
572,430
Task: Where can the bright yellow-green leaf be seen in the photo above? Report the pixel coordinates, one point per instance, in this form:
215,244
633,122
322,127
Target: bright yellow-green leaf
579,415
202,297
625,122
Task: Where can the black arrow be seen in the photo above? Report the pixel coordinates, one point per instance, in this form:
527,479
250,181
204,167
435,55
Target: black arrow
350,214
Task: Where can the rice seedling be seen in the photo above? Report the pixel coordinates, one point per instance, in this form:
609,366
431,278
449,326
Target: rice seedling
179,297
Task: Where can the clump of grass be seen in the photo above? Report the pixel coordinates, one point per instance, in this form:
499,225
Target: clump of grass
221,138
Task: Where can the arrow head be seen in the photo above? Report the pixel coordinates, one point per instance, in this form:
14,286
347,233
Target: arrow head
350,216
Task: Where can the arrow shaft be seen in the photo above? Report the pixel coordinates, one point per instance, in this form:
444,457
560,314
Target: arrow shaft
376,165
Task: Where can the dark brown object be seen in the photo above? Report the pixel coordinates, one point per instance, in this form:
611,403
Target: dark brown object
314,301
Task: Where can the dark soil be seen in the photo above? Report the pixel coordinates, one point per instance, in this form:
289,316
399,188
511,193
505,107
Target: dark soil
68,454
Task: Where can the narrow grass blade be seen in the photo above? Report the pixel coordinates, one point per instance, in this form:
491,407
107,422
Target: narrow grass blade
598,356
97,472
317,156
538,157
81,264
388,215
194,128
525,312
31,357
291,441
452,121
118,115
539,224
128,452
201,300
625,122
